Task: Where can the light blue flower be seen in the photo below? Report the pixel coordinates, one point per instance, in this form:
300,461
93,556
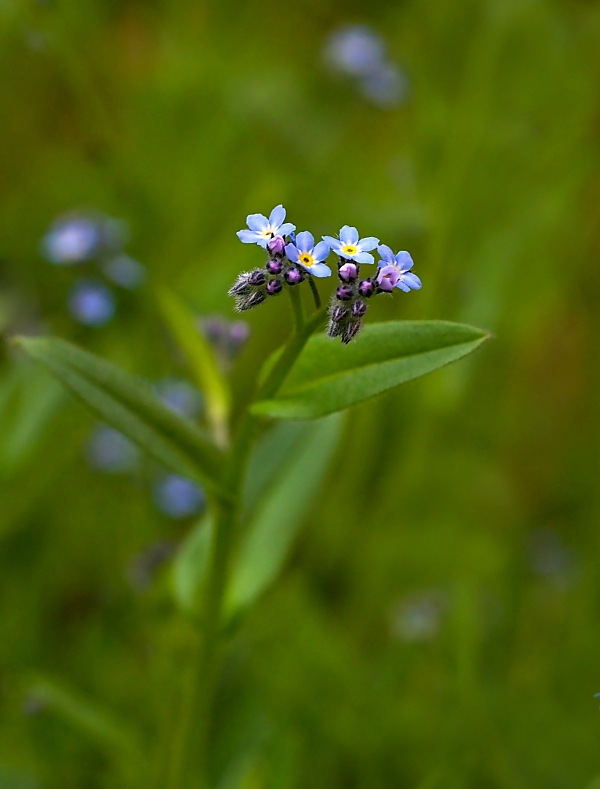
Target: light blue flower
310,257
91,303
394,271
350,247
262,230
72,239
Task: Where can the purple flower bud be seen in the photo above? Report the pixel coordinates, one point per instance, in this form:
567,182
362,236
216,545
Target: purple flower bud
276,245
366,288
293,276
348,272
274,266
274,287
359,308
351,329
257,277
338,313
241,286
334,329
253,300
344,293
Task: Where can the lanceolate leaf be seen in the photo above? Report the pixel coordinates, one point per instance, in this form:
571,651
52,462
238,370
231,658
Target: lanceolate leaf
202,361
329,377
280,511
191,563
268,457
98,724
128,405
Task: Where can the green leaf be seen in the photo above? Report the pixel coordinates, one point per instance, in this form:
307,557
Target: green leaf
280,512
191,563
129,405
202,361
29,399
329,376
98,724
269,455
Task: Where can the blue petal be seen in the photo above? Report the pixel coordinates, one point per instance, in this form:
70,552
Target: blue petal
257,222
405,262
334,243
292,253
363,257
248,236
277,217
321,251
386,253
402,285
368,243
286,229
320,270
412,281
305,241
349,235
262,242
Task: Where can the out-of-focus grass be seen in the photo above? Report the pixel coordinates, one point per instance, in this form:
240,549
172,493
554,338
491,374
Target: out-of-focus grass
468,501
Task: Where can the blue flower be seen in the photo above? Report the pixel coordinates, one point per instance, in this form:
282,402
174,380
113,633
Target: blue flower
350,247
72,239
262,230
394,271
91,303
310,257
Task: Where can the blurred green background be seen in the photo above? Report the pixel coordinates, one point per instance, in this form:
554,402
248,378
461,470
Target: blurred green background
438,623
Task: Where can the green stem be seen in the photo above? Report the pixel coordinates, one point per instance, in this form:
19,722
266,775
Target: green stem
226,512
315,292
297,308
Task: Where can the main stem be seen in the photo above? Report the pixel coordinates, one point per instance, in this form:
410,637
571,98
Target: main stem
226,512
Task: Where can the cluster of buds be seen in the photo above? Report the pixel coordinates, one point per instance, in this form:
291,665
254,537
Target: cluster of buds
293,258
252,287
348,304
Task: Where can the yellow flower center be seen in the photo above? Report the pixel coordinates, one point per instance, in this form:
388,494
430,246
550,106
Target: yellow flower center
349,249
267,232
306,259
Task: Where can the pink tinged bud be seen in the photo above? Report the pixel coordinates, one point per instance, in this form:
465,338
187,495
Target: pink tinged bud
274,266
257,277
294,276
387,278
276,245
366,288
274,287
344,293
348,272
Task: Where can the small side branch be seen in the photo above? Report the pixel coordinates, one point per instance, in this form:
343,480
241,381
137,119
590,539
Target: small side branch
315,292
297,307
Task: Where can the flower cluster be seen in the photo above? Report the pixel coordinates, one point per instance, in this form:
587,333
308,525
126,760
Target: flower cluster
293,258
88,241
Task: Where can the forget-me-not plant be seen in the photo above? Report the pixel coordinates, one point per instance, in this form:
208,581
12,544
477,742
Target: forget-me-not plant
394,271
350,247
310,257
262,230
292,259
211,460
